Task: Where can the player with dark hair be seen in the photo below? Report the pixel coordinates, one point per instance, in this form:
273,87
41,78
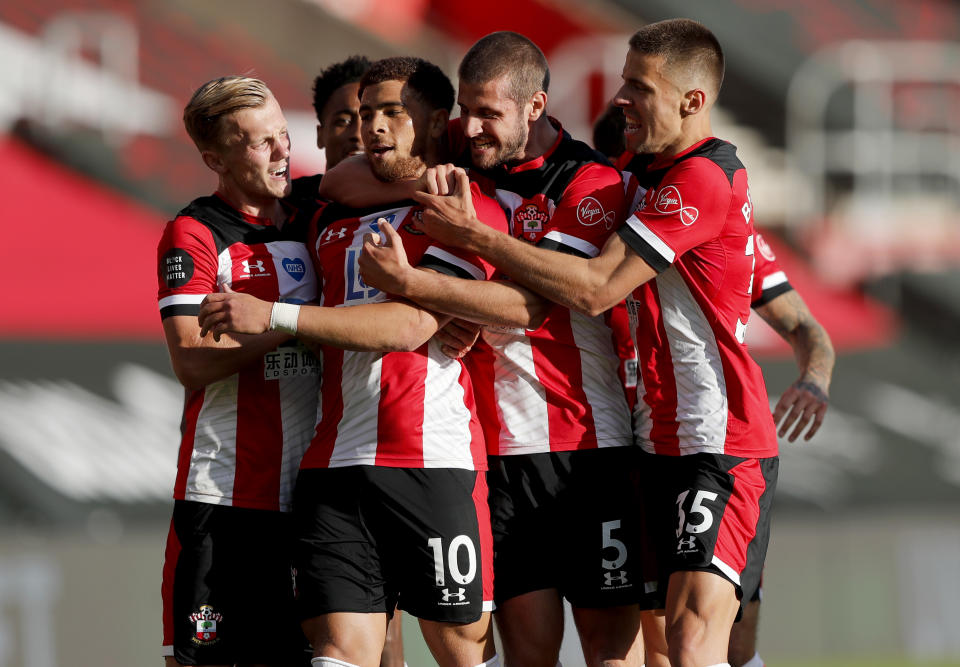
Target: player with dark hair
686,258
251,400
336,101
804,404
391,498
557,425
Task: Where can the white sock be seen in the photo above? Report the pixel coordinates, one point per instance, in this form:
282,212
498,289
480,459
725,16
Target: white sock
492,662
323,661
755,661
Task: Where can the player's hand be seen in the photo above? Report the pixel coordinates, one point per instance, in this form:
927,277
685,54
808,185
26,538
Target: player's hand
231,311
457,337
803,403
438,180
450,219
383,261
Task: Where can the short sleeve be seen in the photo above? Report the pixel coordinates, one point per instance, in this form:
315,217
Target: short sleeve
187,266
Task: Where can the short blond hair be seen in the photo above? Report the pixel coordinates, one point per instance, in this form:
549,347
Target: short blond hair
213,101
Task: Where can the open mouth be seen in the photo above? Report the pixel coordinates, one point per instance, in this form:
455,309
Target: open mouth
482,143
379,151
280,172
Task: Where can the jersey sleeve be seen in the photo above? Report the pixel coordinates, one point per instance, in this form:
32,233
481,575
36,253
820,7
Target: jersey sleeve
589,210
462,264
187,267
687,210
769,280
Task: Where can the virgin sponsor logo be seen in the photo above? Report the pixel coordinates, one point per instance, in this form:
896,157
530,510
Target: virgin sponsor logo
206,620
590,212
669,202
531,217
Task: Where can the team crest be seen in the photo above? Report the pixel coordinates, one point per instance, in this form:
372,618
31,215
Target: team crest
670,202
417,219
531,217
206,620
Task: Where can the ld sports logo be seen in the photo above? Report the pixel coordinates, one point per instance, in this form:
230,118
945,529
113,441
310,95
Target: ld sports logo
590,212
669,202
206,620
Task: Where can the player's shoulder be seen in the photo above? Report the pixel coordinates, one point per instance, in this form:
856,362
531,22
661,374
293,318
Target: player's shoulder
713,153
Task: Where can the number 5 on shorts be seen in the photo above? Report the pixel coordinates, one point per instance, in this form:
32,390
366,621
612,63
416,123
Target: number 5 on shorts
695,508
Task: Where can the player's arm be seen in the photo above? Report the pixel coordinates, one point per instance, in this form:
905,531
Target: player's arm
805,401
353,184
380,327
198,360
588,285
384,265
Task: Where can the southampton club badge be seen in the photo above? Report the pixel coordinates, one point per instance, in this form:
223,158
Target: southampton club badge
206,619
532,219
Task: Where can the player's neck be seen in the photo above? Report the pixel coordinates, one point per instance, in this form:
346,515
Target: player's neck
541,138
694,130
258,207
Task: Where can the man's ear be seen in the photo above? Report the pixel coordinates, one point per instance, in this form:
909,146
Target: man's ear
320,143
439,119
538,105
694,101
213,160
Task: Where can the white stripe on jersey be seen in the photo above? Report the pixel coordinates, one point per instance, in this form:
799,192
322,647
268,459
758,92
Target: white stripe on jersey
443,437
701,395
295,254
225,268
521,398
213,462
356,442
450,258
773,280
641,411
608,405
299,397
180,299
509,202
585,247
655,242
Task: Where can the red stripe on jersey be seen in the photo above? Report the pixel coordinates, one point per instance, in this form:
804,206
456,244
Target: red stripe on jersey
477,437
331,408
480,363
193,401
170,557
562,378
738,526
259,439
482,506
396,428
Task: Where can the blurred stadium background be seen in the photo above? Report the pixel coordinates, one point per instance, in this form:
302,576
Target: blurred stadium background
846,113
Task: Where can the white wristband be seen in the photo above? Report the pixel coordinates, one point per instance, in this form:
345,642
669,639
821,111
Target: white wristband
284,316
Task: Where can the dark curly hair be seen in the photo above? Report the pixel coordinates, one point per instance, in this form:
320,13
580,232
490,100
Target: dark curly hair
338,74
425,79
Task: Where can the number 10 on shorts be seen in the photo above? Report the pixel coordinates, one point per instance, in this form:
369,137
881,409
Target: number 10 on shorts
453,560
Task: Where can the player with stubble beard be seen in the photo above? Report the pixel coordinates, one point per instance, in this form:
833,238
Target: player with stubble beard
391,499
556,421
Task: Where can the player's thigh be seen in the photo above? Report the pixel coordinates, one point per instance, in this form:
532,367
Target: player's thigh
432,528
531,627
336,556
711,513
225,567
355,638
460,644
610,635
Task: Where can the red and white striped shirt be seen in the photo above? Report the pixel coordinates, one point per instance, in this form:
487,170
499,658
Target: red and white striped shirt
397,409
554,388
243,436
702,392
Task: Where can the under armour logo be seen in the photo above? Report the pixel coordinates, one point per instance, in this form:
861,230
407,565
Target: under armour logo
459,596
248,266
334,233
688,543
609,578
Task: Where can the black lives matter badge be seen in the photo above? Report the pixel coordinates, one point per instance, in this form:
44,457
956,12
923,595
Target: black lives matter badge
176,267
